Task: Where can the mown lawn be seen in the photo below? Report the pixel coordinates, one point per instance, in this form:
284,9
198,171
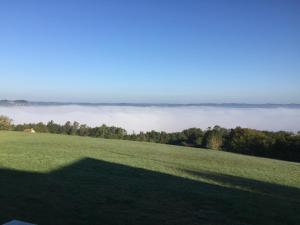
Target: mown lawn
58,179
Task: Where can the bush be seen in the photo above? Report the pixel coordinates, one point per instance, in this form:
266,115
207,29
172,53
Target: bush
5,123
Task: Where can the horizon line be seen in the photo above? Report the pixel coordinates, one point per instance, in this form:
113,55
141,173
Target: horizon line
20,101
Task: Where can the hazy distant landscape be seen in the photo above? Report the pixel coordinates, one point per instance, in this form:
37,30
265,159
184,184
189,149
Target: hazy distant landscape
170,118
150,112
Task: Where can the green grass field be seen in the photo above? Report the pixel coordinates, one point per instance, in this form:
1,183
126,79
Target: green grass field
58,179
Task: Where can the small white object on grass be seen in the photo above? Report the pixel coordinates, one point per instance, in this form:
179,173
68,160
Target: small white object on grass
18,222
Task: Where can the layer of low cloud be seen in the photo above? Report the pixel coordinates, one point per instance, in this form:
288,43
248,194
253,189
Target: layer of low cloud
159,118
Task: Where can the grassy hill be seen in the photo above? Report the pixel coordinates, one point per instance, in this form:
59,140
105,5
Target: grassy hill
58,179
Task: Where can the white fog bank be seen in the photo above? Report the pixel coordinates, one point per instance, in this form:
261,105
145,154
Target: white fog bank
159,118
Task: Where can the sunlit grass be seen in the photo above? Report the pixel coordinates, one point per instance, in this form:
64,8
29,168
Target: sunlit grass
46,152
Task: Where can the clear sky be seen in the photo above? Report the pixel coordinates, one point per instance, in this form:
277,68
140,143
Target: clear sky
150,51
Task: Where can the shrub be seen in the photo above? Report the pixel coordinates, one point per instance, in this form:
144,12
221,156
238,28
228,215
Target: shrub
5,123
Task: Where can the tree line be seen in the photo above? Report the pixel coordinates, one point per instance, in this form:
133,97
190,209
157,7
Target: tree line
279,145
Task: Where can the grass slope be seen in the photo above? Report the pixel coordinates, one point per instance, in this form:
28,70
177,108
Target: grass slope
57,179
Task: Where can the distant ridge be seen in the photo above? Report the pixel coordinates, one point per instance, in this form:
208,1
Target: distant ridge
228,105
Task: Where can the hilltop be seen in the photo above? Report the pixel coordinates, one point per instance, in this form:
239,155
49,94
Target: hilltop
60,179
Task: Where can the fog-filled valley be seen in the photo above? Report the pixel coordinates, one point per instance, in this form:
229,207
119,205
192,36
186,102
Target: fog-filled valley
160,118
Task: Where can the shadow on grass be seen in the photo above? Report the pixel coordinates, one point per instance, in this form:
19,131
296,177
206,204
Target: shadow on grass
284,193
97,192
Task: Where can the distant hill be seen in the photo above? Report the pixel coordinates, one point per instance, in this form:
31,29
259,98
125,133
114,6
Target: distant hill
227,105
14,102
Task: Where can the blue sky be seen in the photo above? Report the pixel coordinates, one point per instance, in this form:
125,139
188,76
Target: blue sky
150,51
